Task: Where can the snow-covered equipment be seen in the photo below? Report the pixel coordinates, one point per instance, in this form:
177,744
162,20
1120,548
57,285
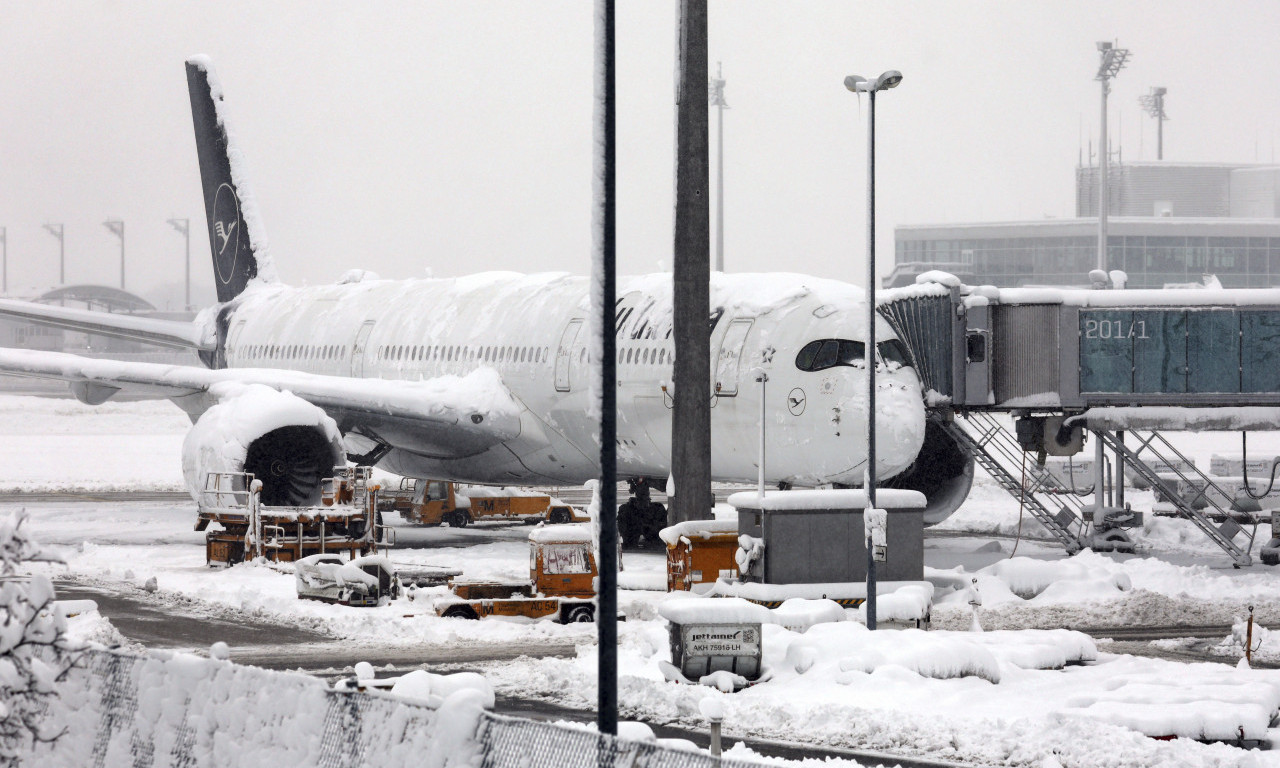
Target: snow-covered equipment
710,636
364,581
433,502
344,521
561,586
699,552
819,536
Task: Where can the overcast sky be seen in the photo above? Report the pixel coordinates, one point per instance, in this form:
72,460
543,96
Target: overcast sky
404,137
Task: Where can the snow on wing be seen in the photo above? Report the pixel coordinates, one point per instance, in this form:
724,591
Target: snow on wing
447,416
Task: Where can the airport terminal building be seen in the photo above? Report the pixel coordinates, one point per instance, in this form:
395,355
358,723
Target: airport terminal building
1168,223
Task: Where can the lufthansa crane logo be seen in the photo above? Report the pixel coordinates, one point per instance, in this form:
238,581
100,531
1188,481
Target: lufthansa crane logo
226,230
796,401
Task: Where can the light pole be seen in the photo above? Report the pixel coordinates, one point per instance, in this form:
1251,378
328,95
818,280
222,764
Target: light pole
1153,103
117,228
57,231
1113,59
858,84
717,101
184,228
4,269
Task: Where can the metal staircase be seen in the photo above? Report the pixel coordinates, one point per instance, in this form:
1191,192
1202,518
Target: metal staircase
1159,448
998,452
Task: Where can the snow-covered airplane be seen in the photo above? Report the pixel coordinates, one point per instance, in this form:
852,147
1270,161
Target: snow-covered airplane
484,378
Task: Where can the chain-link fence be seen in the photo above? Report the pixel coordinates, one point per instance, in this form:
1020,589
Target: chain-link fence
119,710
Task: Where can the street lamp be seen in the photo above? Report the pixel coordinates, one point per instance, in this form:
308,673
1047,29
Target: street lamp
716,99
1153,103
57,231
184,228
117,228
859,84
1113,60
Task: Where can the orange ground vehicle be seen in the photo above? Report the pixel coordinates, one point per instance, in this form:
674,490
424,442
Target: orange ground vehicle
561,586
434,502
346,521
700,552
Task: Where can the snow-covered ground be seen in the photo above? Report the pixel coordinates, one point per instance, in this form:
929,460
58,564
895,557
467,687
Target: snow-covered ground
829,685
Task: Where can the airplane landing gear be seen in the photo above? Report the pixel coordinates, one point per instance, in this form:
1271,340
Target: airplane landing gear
640,517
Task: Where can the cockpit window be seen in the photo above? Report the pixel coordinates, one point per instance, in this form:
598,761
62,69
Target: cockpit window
894,351
828,353
822,354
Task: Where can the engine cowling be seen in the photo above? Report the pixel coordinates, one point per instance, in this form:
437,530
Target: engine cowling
284,441
942,471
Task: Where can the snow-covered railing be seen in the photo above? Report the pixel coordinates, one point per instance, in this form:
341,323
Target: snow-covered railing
120,709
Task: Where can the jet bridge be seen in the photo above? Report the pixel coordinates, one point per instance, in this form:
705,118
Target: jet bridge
1121,364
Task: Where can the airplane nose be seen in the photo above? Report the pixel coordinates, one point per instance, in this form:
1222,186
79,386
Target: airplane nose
900,421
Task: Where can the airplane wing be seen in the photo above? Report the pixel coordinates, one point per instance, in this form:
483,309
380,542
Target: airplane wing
149,330
444,417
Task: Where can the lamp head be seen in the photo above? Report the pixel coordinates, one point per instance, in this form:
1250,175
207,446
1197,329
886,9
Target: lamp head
1104,46
889,79
856,83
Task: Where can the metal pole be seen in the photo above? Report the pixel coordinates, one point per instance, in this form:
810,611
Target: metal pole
1103,195
719,169
122,255
1118,482
1160,127
869,354
4,270
691,290
764,382
186,233
606,231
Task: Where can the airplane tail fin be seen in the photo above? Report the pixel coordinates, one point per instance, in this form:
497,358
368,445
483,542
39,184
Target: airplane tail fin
236,234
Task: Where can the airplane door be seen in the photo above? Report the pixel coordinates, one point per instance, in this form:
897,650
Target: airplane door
729,359
233,341
357,349
564,354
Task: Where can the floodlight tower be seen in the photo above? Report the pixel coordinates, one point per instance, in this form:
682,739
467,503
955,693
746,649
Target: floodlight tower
184,228
117,228
1153,103
57,231
717,100
1113,60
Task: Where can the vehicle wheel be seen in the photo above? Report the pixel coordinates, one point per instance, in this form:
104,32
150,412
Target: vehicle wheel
462,611
580,614
455,520
464,519
560,515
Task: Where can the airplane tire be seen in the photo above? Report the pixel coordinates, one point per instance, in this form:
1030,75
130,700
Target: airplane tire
459,612
580,614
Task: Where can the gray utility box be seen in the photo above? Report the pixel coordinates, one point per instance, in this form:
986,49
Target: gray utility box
700,649
817,537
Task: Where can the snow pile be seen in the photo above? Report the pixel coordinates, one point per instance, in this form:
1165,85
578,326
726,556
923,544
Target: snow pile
220,439
1202,701
847,652
886,498
1029,578
188,710
910,602
1038,648
723,610
799,614
696,529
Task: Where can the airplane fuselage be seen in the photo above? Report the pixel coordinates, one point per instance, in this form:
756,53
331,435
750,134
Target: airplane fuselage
535,331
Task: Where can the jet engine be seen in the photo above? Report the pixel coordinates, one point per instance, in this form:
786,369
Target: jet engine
942,471
281,439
